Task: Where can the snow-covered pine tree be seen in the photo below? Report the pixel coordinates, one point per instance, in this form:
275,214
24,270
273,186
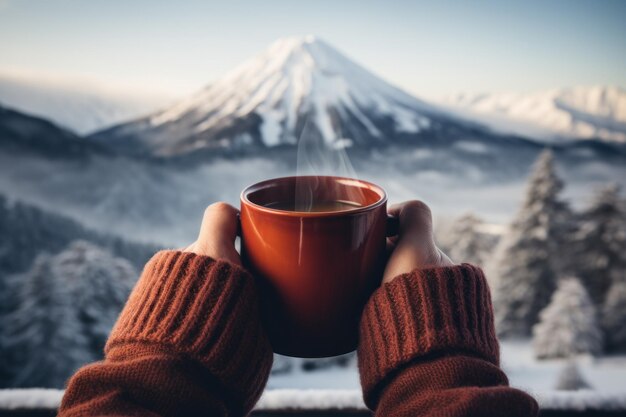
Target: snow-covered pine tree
27,231
7,298
568,325
466,243
43,337
530,256
600,244
614,317
100,285
570,379
67,305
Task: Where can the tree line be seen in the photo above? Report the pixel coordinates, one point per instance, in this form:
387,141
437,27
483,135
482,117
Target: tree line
557,274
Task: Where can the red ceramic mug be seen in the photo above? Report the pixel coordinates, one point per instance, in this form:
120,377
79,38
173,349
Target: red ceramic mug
316,269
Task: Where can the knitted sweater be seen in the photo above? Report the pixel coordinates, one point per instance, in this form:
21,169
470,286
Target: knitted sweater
190,343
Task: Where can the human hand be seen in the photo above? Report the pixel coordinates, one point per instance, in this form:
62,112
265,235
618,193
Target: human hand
217,234
414,247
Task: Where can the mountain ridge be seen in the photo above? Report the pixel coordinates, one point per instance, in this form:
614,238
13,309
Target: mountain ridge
267,101
552,115
25,133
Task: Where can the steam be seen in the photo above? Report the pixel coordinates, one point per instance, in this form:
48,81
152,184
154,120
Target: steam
319,157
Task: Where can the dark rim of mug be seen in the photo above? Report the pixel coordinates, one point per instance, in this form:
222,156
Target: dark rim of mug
266,183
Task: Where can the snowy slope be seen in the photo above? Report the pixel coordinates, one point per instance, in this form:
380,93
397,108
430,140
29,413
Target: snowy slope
573,113
269,98
78,106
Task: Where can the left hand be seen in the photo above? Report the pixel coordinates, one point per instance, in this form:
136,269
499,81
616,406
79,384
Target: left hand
217,234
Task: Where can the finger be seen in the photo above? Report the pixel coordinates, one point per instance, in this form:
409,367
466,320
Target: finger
219,223
414,216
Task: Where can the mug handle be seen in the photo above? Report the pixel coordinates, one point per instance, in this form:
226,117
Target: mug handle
393,225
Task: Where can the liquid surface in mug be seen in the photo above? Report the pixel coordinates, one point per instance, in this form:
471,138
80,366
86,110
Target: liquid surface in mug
317,206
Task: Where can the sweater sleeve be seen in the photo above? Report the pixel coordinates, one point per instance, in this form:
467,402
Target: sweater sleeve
428,348
188,342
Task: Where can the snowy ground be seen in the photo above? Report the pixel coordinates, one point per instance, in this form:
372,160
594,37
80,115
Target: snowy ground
335,387
320,399
607,375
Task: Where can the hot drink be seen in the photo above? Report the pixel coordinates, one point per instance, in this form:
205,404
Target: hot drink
317,247
315,207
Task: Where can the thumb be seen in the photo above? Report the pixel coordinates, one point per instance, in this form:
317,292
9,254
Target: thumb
218,233
219,223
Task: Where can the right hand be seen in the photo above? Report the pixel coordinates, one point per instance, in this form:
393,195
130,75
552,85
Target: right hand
414,247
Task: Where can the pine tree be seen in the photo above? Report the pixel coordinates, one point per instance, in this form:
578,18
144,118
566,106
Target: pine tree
100,285
600,244
466,243
6,301
28,231
529,257
43,338
568,325
570,379
614,317
67,305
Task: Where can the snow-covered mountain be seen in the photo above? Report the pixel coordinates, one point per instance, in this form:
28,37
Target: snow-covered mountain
268,100
78,105
574,113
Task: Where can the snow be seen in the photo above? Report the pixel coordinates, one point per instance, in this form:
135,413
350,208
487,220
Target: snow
472,147
570,379
66,305
271,129
464,242
529,261
339,387
324,399
321,399
568,326
580,401
579,112
605,374
293,78
614,315
32,398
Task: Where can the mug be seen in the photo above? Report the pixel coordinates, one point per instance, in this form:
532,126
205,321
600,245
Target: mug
316,270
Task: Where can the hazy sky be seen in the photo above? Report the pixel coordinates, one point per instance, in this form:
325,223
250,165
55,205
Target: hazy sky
429,48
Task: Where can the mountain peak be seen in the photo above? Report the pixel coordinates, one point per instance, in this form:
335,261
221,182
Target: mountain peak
267,100
309,51
296,42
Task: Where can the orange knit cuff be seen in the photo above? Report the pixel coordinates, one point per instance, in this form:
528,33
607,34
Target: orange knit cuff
201,308
426,312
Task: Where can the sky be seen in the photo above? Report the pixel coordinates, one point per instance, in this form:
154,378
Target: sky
431,49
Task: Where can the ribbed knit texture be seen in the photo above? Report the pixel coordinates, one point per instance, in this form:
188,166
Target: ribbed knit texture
438,324
191,306
190,343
